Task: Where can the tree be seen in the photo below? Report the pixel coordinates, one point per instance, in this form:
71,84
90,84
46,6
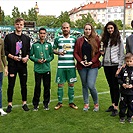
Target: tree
24,16
64,17
119,24
15,14
7,20
32,15
85,19
2,17
46,21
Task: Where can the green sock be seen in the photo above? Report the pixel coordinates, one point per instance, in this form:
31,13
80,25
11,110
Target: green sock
60,94
71,94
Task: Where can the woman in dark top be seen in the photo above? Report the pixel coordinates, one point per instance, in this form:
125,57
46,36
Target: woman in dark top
87,54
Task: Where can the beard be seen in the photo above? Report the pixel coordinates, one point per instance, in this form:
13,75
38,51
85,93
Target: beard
66,33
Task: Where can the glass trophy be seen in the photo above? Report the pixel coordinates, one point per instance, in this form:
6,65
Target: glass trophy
85,60
20,54
127,81
64,49
42,55
101,47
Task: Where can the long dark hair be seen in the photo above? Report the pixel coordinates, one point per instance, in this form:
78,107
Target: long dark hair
115,37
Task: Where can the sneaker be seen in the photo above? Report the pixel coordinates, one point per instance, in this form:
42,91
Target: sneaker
2,112
114,112
46,107
122,120
110,109
9,109
72,105
35,108
129,120
86,107
96,108
25,107
59,105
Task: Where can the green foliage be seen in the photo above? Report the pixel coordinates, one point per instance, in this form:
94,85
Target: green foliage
8,20
100,26
119,24
64,17
32,15
85,19
15,14
46,20
1,17
24,16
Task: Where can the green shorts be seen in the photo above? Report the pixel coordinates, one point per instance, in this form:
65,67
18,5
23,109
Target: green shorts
66,74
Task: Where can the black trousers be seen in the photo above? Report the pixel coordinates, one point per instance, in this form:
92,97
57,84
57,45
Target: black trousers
110,72
22,73
46,78
126,106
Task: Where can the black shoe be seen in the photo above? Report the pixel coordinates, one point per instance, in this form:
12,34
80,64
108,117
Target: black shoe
110,109
129,120
25,107
9,109
35,108
114,112
46,107
122,120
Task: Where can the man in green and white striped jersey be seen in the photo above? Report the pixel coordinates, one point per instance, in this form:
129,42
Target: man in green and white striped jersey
64,47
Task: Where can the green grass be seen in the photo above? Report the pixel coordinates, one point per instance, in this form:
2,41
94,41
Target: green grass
64,120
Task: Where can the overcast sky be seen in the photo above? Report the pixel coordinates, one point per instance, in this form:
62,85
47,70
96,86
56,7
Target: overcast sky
46,7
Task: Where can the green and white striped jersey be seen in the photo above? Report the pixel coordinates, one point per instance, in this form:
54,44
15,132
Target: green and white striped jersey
65,44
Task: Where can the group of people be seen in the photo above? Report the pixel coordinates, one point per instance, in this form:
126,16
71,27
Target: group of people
87,51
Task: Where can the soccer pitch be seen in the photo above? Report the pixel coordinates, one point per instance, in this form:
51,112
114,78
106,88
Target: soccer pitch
66,119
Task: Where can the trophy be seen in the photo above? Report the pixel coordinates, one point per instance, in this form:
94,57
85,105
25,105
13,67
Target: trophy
127,81
85,59
42,55
64,49
20,54
101,47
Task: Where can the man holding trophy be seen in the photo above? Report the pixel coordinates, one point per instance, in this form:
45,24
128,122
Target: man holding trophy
17,49
63,47
41,54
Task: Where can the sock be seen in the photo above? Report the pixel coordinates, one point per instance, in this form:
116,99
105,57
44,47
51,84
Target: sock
60,94
71,94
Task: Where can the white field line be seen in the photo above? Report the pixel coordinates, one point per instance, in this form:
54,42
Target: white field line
100,93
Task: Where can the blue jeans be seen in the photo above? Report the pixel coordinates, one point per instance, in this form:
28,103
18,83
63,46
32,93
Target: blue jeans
1,78
88,78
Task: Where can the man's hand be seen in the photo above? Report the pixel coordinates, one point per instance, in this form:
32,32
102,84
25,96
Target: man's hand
25,59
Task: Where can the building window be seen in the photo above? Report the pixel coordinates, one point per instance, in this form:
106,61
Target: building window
109,16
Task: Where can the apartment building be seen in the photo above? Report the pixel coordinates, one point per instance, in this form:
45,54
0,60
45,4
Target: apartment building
103,11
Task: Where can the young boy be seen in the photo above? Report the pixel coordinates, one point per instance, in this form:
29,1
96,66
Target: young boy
125,79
